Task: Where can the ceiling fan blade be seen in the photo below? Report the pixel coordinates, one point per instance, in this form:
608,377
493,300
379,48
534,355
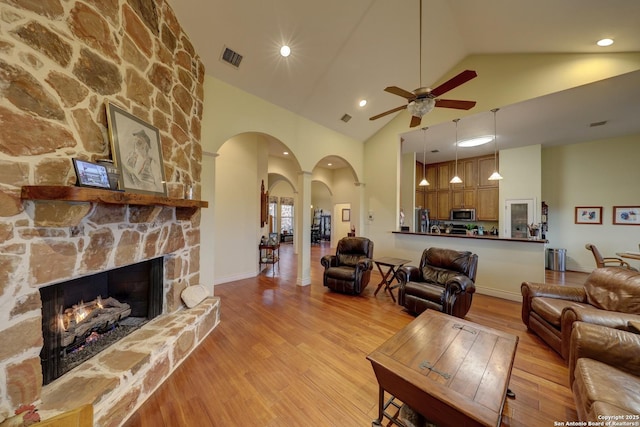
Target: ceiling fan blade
388,112
454,82
415,121
454,103
400,92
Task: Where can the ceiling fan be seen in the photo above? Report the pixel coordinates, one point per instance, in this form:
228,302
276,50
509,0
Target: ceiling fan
424,99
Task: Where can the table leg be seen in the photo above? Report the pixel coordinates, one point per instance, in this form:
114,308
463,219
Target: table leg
378,422
384,279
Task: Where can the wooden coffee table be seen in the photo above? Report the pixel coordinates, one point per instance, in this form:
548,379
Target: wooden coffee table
452,371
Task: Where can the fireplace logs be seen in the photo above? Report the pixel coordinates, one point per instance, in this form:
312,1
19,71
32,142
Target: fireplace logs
80,320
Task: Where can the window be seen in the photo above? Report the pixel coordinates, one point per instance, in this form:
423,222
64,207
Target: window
286,214
273,211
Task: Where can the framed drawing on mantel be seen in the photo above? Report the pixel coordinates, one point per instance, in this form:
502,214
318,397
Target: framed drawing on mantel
136,151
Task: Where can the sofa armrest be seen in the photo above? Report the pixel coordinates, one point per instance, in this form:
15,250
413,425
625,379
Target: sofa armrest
329,261
364,264
611,346
609,319
530,290
459,284
408,273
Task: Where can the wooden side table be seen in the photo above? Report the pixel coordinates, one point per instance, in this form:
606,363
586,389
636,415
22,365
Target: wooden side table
269,255
393,265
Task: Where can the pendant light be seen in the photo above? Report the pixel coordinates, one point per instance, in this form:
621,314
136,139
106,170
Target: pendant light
424,181
495,176
456,179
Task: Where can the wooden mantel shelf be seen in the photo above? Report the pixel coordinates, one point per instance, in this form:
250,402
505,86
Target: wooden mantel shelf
185,208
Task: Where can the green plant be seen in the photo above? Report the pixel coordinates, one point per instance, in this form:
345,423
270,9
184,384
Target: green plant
470,226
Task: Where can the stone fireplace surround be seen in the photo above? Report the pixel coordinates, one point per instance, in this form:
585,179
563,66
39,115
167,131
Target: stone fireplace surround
60,60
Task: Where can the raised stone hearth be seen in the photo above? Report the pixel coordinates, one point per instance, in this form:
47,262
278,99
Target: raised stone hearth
119,379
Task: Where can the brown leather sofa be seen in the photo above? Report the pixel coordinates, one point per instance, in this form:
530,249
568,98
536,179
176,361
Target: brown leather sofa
349,270
444,281
604,373
610,296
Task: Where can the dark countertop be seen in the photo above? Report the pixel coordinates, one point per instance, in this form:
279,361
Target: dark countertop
464,236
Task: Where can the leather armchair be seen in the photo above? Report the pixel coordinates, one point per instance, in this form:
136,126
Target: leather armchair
610,297
444,281
349,270
604,372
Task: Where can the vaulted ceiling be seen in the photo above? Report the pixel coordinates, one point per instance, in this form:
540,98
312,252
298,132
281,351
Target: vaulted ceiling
345,51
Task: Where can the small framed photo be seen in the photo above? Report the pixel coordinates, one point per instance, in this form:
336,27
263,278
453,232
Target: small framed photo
346,215
91,174
588,215
626,215
136,151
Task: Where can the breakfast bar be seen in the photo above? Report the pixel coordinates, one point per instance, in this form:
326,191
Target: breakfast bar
503,263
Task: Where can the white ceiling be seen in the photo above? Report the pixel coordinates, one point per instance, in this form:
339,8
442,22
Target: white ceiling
343,51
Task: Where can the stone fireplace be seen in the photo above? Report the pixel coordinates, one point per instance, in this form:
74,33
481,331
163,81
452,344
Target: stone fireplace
60,61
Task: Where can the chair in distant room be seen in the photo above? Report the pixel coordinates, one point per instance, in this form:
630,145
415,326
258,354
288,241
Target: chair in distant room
349,270
607,261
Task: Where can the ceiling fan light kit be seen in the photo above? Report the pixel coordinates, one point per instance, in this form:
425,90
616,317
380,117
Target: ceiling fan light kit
422,100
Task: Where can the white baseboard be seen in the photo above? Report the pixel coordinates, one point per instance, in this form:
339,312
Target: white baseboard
233,278
499,293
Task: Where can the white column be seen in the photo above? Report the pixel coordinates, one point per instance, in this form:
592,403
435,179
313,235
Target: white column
207,223
303,229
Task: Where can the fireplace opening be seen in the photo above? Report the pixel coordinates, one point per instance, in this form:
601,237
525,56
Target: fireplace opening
83,316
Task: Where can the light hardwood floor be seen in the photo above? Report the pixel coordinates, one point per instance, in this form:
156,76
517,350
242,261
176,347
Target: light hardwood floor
285,355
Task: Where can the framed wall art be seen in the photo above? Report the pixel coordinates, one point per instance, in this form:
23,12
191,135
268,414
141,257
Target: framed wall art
91,174
346,215
588,215
136,151
626,215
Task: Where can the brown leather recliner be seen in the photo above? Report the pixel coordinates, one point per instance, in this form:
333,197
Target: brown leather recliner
349,270
444,281
610,297
604,372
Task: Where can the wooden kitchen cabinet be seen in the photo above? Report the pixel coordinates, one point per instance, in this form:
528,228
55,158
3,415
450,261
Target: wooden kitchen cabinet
487,206
444,205
463,199
431,203
445,173
467,171
486,166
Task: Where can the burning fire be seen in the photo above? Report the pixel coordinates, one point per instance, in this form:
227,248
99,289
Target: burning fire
77,313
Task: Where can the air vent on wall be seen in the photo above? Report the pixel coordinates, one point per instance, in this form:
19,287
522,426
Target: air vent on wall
231,57
345,118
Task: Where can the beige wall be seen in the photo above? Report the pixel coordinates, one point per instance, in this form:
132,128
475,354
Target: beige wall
597,173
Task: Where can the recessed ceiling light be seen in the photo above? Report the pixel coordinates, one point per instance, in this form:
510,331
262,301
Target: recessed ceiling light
474,142
286,153
362,102
605,42
329,164
285,51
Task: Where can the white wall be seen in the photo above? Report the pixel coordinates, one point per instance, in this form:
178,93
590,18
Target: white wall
596,173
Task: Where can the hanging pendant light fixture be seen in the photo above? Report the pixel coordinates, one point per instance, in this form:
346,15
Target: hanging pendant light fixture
456,179
424,181
495,176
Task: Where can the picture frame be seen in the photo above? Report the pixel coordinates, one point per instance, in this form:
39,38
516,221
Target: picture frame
91,174
136,152
346,215
626,215
588,215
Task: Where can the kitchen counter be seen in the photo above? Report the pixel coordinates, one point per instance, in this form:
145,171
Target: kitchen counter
503,264
465,236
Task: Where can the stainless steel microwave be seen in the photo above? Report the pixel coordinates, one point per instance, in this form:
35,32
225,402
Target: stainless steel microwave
463,215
